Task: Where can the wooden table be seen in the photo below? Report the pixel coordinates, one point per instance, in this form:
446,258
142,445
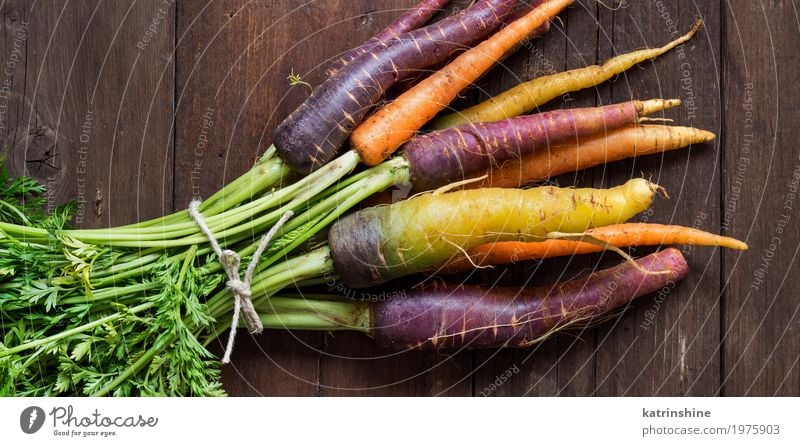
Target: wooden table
133,108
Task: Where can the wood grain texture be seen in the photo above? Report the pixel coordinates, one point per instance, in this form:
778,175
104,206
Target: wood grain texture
761,174
135,108
564,365
90,111
667,344
233,59
576,351
350,363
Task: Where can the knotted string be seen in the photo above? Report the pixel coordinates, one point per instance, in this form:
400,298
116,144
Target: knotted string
231,261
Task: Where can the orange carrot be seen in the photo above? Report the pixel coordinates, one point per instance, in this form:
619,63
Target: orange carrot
390,127
626,142
621,235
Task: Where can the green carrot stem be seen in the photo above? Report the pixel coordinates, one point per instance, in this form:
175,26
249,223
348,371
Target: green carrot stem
273,279
160,231
14,210
305,321
316,264
134,368
73,331
24,231
390,173
309,315
109,293
158,346
122,267
267,176
213,219
215,202
349,313
235,225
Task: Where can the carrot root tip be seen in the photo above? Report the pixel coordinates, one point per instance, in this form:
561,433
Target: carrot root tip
656,105
645,119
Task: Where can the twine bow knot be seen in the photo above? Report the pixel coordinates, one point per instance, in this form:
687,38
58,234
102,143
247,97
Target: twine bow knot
231,262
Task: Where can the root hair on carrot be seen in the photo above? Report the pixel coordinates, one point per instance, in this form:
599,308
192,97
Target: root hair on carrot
467,256
574,318
458,184
610,8
588,238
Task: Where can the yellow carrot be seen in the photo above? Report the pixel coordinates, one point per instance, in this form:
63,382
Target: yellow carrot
537,92
378,244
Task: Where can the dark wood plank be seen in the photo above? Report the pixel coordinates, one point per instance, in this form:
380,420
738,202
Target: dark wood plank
92,90
233,59
762,170
14,120
560,366
350,363
667,344
245,93
564,363
89,111
585,30
275,363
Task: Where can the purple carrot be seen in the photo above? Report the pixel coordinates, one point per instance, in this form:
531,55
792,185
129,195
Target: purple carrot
314,133
453,154
411,20
439,317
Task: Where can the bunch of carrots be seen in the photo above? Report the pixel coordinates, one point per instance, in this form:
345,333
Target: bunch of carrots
131,310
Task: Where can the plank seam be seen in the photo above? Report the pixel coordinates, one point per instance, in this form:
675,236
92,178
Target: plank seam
722,193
